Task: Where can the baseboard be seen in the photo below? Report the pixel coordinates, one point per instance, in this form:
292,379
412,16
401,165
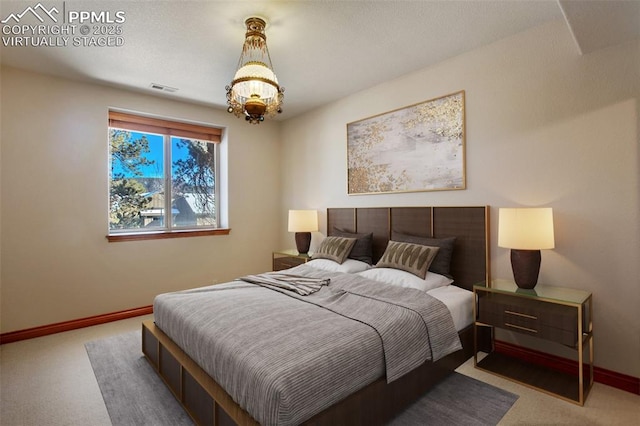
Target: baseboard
600,375
45,330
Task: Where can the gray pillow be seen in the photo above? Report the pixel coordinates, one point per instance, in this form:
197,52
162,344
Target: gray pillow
442,262
413,258
362,250
334,248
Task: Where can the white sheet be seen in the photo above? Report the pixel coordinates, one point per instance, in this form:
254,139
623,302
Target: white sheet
459,301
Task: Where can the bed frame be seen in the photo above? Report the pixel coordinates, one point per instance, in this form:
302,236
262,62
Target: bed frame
209,404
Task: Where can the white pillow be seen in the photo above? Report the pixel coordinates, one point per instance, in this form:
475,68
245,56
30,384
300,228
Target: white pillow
350,266
406,279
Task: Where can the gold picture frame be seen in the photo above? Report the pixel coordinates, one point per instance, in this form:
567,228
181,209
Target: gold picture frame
417,148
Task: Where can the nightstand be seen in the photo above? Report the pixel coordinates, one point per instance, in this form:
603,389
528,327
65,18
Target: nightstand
559,315
285,259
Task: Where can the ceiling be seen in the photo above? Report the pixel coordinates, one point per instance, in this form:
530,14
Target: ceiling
321,50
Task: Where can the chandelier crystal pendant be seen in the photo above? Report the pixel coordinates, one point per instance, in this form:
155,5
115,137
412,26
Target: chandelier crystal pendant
254,92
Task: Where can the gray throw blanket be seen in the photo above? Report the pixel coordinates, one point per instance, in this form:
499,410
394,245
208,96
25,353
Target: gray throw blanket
284,357
302,285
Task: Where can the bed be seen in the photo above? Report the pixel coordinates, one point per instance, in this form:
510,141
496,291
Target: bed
394,375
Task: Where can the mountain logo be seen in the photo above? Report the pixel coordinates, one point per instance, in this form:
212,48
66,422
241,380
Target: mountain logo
38,11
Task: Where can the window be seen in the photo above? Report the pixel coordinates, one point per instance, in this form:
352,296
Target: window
163,176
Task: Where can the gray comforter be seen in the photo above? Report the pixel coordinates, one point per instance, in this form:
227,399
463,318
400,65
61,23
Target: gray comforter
284,357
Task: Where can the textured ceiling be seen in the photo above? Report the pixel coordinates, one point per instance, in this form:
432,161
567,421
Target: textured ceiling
321,50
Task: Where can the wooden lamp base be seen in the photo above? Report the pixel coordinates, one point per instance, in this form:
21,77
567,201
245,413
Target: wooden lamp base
526,267
303,242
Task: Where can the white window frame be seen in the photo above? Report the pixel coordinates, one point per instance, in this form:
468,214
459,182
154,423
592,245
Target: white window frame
168,129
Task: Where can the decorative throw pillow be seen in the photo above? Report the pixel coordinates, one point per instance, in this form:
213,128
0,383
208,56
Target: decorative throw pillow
334,248
413,258
362,249
442,262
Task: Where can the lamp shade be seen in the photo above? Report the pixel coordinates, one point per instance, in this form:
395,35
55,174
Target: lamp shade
303,220
526,228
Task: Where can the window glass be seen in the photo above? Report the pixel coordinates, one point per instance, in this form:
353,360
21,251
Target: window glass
161,176
193,165
136,184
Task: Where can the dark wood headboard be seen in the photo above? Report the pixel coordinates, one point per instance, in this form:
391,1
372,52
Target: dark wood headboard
470,225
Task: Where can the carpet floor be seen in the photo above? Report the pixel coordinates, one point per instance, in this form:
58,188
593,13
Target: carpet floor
135,395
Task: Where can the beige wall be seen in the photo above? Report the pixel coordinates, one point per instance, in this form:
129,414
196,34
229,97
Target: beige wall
545,127
56,263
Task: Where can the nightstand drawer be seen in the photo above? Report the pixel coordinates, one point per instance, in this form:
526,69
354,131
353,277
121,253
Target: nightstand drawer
548,321
280,263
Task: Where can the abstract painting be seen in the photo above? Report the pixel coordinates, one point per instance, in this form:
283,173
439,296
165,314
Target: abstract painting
420,147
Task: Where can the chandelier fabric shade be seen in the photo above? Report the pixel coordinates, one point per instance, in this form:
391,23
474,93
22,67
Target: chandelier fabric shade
255,92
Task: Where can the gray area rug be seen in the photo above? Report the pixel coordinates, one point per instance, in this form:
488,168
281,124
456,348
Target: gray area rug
135,395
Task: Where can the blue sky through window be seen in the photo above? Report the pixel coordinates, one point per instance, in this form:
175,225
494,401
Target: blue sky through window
155,155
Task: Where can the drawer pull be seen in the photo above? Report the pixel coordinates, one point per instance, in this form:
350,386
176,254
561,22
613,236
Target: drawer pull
521,315
531,330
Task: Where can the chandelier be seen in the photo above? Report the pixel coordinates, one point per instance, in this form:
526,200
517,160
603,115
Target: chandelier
254,91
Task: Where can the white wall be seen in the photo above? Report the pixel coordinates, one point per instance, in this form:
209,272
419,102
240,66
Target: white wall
56,262
545,127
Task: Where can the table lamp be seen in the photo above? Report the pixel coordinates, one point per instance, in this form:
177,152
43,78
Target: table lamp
525,231
303,223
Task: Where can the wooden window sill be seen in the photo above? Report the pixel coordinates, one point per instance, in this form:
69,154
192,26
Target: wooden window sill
115,238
